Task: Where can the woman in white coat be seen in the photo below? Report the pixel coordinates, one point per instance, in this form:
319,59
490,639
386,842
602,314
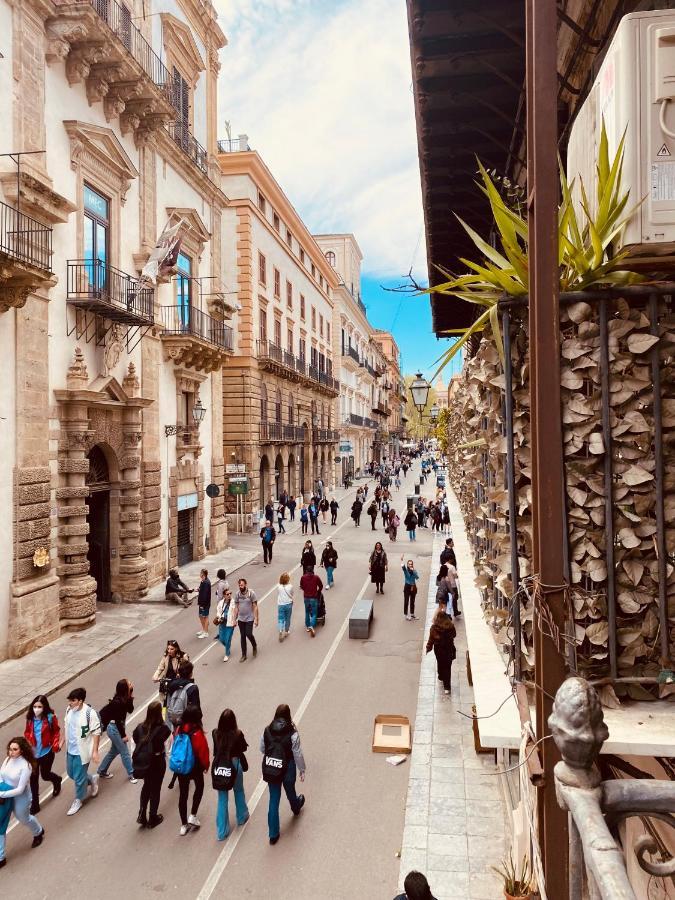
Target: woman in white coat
15,775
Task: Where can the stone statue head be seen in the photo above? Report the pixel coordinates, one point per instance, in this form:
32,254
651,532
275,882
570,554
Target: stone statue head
577,723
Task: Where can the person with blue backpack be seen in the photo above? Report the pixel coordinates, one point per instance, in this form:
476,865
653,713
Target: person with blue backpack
282,760
227,771
188,761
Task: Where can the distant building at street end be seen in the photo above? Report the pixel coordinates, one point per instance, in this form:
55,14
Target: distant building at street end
393,383
279,394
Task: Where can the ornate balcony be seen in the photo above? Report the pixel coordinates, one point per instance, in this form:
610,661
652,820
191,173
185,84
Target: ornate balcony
95,286
272,358
381,409
103,48
355,419
25,256
193,338
323,381
181,135
351,358
325,435
272,433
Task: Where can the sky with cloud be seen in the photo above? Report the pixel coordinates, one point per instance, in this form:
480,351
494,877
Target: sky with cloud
323,90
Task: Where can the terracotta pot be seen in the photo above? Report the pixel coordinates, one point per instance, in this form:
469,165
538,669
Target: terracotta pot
508,896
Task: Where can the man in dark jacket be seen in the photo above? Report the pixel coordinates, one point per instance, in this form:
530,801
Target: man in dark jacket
269,511
204,603
267,536
448,555
176,591
333,511
311,587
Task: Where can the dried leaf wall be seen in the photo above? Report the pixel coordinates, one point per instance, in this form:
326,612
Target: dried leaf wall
479,476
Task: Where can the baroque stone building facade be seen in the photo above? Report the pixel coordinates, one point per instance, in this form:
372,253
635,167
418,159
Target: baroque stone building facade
279,392
110,384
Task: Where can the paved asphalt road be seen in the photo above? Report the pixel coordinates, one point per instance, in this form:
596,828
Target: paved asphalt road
344,844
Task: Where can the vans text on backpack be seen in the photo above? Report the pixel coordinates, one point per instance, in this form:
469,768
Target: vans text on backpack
275,758
223,772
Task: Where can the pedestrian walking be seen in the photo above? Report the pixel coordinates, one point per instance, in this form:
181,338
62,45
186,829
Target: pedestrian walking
397,482
282,762
246,605
372,512
281,515
311,587
204,603
410,523
291,508
43,734
226,613
189,760
268,536
81,735
329,559
176,591
442,641
394,522
269,511
365,492
447,589
448,553
324,506
334,506
182,692
384,511
446,519
113,718
313,511
377,566
416,887
167,670
410,579
227,771
304,518
149,760
15,774
284,605
308,556
357,506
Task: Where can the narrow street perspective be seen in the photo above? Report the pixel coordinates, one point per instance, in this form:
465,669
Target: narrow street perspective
337,416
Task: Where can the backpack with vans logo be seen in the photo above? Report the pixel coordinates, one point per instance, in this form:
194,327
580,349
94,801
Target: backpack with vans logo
275,757
182,759
223,771
177,704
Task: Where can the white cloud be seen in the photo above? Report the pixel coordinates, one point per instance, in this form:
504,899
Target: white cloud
324,92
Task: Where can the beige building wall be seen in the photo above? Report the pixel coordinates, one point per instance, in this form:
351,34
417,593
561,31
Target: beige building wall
95,367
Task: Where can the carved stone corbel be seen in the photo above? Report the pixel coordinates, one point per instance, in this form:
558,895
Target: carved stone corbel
113,105
13,296
129,121
80,61
60,36
97,89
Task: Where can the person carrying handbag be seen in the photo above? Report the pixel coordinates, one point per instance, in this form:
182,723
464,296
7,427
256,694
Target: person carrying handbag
226,613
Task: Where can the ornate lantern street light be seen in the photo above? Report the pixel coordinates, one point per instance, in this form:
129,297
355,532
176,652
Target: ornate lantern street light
419,391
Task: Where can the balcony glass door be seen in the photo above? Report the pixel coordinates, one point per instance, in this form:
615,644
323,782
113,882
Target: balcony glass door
184,291
96,235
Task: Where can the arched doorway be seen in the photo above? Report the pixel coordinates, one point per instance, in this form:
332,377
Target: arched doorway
278,475
264,481
290,484
98,520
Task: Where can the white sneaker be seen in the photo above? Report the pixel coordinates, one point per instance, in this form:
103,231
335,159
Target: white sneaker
106,774
133,780
184,829
193,820
203,635
408,618
225,658
75,807
94,785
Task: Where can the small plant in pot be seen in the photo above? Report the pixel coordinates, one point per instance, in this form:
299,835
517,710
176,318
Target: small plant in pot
518,880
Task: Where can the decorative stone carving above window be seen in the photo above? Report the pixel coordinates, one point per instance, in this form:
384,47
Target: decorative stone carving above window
99,150
195,232
181,47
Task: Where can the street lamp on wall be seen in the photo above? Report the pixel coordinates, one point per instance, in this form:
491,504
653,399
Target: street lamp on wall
198,413
433,412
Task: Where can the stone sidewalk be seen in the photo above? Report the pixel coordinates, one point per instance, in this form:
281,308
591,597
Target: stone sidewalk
455,822
49,668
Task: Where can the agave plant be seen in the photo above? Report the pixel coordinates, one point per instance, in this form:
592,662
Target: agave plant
586,253
518,881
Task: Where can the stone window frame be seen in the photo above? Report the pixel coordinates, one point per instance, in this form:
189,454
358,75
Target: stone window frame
181,52
289,294
277,284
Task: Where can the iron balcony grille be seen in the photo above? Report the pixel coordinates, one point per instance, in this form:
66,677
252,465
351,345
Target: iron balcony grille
271,431
97,286
356,419
234,145
24,239
270,350
118,20
189,144
190,321
350,351
300,365
325,435
381,409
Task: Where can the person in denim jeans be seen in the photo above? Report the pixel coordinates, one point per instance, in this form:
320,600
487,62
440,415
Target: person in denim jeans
282,729
329,560
113,718
226,613
311,586
284,604
80,735
230,743
15,790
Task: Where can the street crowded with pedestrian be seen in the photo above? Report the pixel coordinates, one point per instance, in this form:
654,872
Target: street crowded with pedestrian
177,731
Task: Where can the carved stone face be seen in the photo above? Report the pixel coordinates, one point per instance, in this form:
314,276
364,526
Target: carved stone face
577,723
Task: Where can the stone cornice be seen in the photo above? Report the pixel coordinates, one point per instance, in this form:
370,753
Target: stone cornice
172,153
204,19
178,35
250,163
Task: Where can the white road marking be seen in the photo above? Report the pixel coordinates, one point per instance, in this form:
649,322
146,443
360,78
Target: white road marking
141,709
226,853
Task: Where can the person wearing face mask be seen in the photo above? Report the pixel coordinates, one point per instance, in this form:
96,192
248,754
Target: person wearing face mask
410,578
42,733
15,775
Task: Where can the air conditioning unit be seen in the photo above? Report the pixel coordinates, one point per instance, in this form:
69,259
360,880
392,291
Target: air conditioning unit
635,92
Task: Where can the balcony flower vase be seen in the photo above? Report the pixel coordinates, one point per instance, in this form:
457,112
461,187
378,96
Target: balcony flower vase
518,881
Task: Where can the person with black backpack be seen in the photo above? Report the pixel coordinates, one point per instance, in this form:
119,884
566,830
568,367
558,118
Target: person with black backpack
188,761
282,761
227,771
149,760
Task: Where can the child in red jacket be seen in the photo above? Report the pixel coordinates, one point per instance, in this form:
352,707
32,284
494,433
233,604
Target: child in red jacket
42,732
192,725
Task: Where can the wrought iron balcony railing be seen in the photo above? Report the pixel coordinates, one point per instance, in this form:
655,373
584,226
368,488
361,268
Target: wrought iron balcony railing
351,352
270,350
95,285
24,239
186,320
234,145
271,432
118,20
381,409
355,419
189,144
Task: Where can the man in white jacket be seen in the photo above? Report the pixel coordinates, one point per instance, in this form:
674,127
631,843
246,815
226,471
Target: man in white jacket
81,733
